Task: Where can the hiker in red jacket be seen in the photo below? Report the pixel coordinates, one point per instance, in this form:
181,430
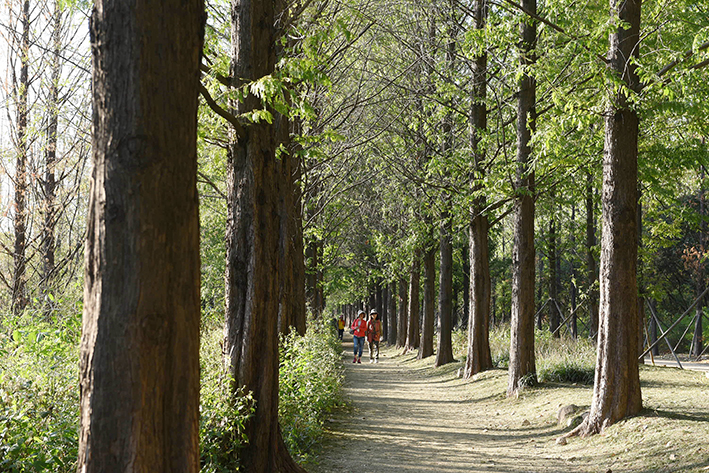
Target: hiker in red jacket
359,326
374,333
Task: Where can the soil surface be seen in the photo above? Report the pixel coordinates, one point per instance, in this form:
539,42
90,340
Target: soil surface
405,416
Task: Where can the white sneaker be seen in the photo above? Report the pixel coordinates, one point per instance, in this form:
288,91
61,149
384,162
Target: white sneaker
377,360
371,361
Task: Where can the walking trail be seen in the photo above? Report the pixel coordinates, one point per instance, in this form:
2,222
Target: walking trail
407,417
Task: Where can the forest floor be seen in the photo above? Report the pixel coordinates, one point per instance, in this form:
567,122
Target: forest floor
405,416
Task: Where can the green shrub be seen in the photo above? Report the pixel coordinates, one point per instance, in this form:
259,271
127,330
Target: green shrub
39,398
222,415
311,376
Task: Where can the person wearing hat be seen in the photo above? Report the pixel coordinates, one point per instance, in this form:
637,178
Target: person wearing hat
359,326
374,334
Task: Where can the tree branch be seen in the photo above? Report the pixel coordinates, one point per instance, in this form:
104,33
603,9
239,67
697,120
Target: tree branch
240,130
684,57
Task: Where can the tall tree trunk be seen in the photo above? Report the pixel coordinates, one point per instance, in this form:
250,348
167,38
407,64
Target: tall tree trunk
444,353
465,321
378,298
479,357
573,289
19,296
139,373
384,316
554,316
697,340
255,184
49,184
402,316
393,296
653,327
592,272
522,361
428,327
413,338
616,392
292,312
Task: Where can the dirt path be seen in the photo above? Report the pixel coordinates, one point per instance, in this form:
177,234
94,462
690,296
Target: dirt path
405,419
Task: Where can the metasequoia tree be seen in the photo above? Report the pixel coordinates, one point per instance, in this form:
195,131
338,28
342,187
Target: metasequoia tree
140,342
591,272
616,392
413,337
50,181
402,317
428,326
444,352
479,357
21,92
256,185
392,337
522,368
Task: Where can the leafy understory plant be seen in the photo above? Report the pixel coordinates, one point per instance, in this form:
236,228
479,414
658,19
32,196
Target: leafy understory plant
311,377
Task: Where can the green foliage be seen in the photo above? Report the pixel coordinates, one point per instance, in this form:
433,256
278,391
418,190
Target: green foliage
222,413
39,396
311,377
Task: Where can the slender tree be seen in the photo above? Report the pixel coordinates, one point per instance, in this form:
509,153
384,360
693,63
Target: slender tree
479,357
402,316
591,268
140,342
50,182
413,337
522,361
19,279
429,300
393,329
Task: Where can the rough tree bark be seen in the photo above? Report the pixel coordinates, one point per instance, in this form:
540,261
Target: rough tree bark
384,316
393,296
592,271
50,157
522,368
139,373
697,339
255,187
554,316
428,327
413,337
19,296
479,357
444,352
292,311
402,318
616,392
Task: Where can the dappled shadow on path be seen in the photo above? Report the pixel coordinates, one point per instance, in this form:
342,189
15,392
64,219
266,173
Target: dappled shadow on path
401,422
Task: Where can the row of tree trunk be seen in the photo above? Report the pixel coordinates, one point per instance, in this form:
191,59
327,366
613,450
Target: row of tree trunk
140,341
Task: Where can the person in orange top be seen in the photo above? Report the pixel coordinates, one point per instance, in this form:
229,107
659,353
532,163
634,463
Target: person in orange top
359,326
374,334
340,327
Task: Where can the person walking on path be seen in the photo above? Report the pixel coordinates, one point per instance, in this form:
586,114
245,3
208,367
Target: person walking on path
341,327
374,333
359,327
